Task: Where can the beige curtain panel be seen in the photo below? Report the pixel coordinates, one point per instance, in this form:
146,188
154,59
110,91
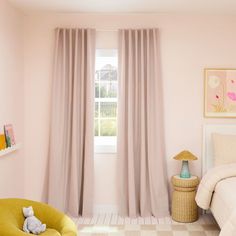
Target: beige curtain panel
71,137
142,169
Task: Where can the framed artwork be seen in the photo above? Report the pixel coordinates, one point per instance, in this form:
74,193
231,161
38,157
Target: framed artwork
220,93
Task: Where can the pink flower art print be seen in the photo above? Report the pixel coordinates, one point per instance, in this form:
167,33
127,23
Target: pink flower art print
220,92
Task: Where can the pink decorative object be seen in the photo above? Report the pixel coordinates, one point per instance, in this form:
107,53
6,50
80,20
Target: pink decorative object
220,92
232,96
8,129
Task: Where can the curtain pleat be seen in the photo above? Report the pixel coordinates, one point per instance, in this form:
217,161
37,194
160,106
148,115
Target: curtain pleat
71,135
142,167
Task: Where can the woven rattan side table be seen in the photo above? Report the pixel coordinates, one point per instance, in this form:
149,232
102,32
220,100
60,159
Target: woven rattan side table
184,207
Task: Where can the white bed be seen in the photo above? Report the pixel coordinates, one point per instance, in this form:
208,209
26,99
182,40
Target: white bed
208,129
223,202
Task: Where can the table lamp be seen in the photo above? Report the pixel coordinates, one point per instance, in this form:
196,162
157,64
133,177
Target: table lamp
185,156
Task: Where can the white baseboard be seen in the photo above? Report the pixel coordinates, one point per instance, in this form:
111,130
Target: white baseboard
105,209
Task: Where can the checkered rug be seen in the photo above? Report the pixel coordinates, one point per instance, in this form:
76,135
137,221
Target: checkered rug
150,230
205,226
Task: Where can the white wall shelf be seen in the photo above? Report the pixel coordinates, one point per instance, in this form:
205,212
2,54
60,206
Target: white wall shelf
9,149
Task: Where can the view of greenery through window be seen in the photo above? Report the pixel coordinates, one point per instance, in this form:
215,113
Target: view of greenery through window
106,88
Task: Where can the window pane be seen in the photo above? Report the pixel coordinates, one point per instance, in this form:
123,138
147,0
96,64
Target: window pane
96,90
108,127
96,109
108,109
96,75
108,73
96,127
108,90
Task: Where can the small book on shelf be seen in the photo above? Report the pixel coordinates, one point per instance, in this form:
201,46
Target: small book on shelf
9,135
3,144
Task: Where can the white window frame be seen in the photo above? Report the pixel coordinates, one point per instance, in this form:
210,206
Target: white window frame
105,144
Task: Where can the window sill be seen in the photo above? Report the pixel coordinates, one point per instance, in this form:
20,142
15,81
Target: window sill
105,145
105,150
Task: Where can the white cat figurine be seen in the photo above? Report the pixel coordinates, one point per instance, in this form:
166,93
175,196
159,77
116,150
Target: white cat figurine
31,223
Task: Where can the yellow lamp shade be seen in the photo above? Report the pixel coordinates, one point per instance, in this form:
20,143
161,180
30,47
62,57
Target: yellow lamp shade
185,156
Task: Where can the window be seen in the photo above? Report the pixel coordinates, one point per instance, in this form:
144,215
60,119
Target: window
106,89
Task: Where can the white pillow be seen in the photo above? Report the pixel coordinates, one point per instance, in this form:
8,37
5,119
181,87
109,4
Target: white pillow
224,149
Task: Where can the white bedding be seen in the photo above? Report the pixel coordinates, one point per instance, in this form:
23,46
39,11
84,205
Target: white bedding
224,200
217,191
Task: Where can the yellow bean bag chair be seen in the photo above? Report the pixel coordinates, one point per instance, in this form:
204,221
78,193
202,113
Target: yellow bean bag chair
12,219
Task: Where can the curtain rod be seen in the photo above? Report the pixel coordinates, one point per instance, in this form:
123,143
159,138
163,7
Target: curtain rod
107,30
116,30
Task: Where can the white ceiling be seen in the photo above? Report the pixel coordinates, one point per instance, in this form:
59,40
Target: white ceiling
199,6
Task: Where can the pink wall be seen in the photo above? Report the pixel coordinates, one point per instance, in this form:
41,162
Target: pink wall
11,97
188,45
